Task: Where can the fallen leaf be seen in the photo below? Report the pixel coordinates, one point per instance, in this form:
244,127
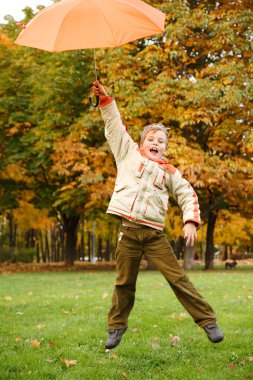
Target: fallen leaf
35,343
135,329
72,362
114,356
105,295
40,326
18,340
63,311
159,285
51,360
173,315
69,363
124,375
19,313
174,340
8,298
51,344
30,293
155,343
250,358
155,326
232,365
200,369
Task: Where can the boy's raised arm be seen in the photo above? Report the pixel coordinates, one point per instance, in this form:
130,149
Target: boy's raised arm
115,132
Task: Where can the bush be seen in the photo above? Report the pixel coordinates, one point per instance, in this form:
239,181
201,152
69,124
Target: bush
17,255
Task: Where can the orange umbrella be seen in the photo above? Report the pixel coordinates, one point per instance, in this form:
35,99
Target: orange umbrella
83,24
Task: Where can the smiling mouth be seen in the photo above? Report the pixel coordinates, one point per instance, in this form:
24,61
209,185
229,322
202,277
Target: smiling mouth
154,151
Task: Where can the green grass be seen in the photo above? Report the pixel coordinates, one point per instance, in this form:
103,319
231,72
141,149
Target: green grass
67,313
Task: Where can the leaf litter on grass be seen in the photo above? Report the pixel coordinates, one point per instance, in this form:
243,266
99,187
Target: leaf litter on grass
161,347
68,363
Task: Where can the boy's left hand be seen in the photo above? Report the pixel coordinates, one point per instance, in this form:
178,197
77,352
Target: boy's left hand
190,233
98,89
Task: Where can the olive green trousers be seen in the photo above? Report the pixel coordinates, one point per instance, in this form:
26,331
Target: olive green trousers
132,244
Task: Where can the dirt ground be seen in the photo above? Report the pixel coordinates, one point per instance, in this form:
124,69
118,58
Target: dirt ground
7,268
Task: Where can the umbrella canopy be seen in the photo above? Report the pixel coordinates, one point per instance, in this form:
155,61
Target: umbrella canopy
84,24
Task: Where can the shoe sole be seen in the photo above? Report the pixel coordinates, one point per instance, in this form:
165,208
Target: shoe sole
217,340
111,347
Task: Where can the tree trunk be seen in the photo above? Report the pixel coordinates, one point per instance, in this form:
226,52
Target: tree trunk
27,238
70,227
173,246
179,247
89,245
12,235
230,252
107,250
108,247
212,217
37,245
189,258
94,241
53,244
62,243
43,253
57,243
47,250
225,257
82,243
100,249
1,234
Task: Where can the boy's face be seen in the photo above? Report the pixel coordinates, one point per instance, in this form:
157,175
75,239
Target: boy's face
154,144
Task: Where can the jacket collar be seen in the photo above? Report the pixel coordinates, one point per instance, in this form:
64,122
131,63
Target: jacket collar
161,161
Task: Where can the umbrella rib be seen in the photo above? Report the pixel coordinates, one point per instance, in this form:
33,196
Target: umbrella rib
114,39
61,26
149,18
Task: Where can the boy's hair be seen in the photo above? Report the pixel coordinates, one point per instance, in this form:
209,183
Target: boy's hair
154,127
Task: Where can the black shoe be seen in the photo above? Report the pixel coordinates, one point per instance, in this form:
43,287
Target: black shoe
114,337
213,332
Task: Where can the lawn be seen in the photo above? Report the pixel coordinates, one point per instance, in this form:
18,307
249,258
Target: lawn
53,326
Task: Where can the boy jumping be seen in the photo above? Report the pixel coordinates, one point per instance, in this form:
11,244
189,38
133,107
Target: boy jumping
140,198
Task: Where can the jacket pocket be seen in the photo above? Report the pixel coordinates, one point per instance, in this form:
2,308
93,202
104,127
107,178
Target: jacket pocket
124,198
119,187
159,180
141,169
154,209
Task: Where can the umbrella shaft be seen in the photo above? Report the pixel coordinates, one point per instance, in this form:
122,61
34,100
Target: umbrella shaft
95,66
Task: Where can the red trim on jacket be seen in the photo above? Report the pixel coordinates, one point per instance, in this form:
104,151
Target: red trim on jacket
161,161
195,221
196,208
141,167
140,221
104,100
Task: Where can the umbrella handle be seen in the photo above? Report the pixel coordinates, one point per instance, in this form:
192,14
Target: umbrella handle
94,104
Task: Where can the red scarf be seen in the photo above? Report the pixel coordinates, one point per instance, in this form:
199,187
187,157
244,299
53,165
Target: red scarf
161,161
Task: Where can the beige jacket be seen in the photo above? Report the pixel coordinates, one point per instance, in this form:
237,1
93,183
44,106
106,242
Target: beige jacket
142,187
